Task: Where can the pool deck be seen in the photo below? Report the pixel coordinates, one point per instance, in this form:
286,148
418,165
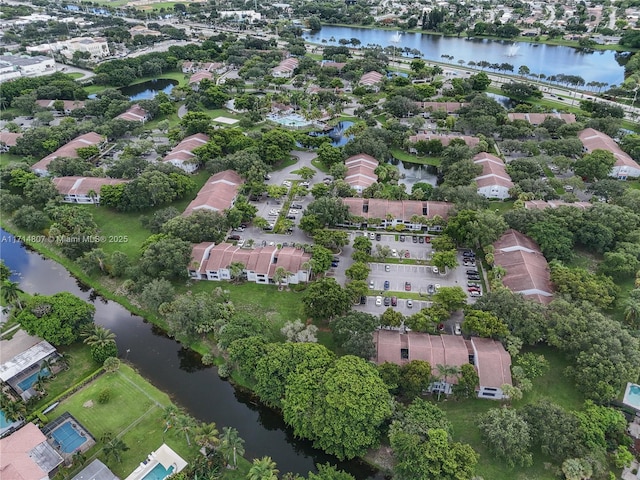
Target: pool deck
164,456
627,399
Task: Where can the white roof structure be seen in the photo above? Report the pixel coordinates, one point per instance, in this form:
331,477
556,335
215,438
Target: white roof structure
26,359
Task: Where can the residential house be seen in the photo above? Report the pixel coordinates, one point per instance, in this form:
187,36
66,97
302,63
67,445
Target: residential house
527,271
21,358
489,357
96,470
390,213
135,113
361,171
212,262
371,80
196,78
218,194
541,204
182,155
493,364
26,455
69,150
8,140
83,190
536,119
286,68
68,106
625,167
444,138
494,181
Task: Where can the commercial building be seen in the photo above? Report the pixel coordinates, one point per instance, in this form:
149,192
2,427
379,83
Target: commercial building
14,66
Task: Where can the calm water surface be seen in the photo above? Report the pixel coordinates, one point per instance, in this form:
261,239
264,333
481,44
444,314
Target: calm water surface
149,89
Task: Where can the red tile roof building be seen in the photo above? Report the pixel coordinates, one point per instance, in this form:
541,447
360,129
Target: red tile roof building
134,114
26,455
211,262
396,212
285,68
527,271
371,79
68,105
9,139
78,189
624,167
218,194
69,150
494,181
361,171
490,358
196,78
182,155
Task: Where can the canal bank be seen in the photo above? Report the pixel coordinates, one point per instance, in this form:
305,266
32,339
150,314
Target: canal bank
176,369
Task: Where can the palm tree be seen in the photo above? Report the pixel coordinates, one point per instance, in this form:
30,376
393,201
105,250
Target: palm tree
113,447
184,423
99,336
235,270
13,410
632,312
279,275
263,469
444,372
11,293
206,435
231,445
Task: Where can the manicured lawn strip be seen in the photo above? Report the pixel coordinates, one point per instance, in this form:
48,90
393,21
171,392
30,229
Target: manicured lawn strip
7,159
464,417
173,120
501,207
403,156
221,112
134,410
292,160
319,165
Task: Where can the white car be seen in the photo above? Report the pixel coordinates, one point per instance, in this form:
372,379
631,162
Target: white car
372,236
294,212
437,286
435,270
387,268
371,285
378,301
457,330
304,184
394,253
409,303
475,294
286,183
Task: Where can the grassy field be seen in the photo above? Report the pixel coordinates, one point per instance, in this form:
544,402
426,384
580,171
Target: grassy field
134,412
464,417
278,306
501,207
8,159
410,158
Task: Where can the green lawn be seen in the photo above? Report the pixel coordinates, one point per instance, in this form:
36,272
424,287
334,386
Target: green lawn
403,156
464,417
278,307
501,207
8,159
81,365
221,112
319,165
285,163
134,412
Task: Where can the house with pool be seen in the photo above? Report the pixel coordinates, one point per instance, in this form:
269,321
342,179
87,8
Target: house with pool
159,465
26,455
23,360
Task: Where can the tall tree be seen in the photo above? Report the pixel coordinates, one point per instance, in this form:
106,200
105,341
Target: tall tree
231,445
263,469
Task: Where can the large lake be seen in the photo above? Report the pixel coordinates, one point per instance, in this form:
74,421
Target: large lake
599,66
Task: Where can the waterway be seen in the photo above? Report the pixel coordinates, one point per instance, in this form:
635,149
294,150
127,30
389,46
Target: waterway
599,65
177,370
149,89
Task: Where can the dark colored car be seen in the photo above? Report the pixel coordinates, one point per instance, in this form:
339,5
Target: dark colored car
402,238
431,289
473,277
420,239
394,301
336,259
378,237
233,237
414,239
334,264
472,272
407,286
387,301
386,284
363,300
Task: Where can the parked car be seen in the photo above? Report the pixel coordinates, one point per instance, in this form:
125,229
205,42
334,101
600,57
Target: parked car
394,301
468,263
372,236
435,270
363,300
473,277
407,286
431,289
334,264
414,239
296,205
233,237
378,301
394,253
407,254
409,303
402,238
476,294
437,287
378,237
420,239
386,284
473,289
291,217
457,329
473,284
387,301
387,268
472,272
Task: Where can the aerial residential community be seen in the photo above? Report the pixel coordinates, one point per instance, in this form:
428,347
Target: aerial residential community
327,240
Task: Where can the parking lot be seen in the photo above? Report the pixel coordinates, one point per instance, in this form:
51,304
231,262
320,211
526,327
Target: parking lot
370,306
419,277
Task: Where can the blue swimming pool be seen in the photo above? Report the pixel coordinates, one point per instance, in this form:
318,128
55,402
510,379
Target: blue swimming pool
68,438
4,423
28,382
158,473
632,396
